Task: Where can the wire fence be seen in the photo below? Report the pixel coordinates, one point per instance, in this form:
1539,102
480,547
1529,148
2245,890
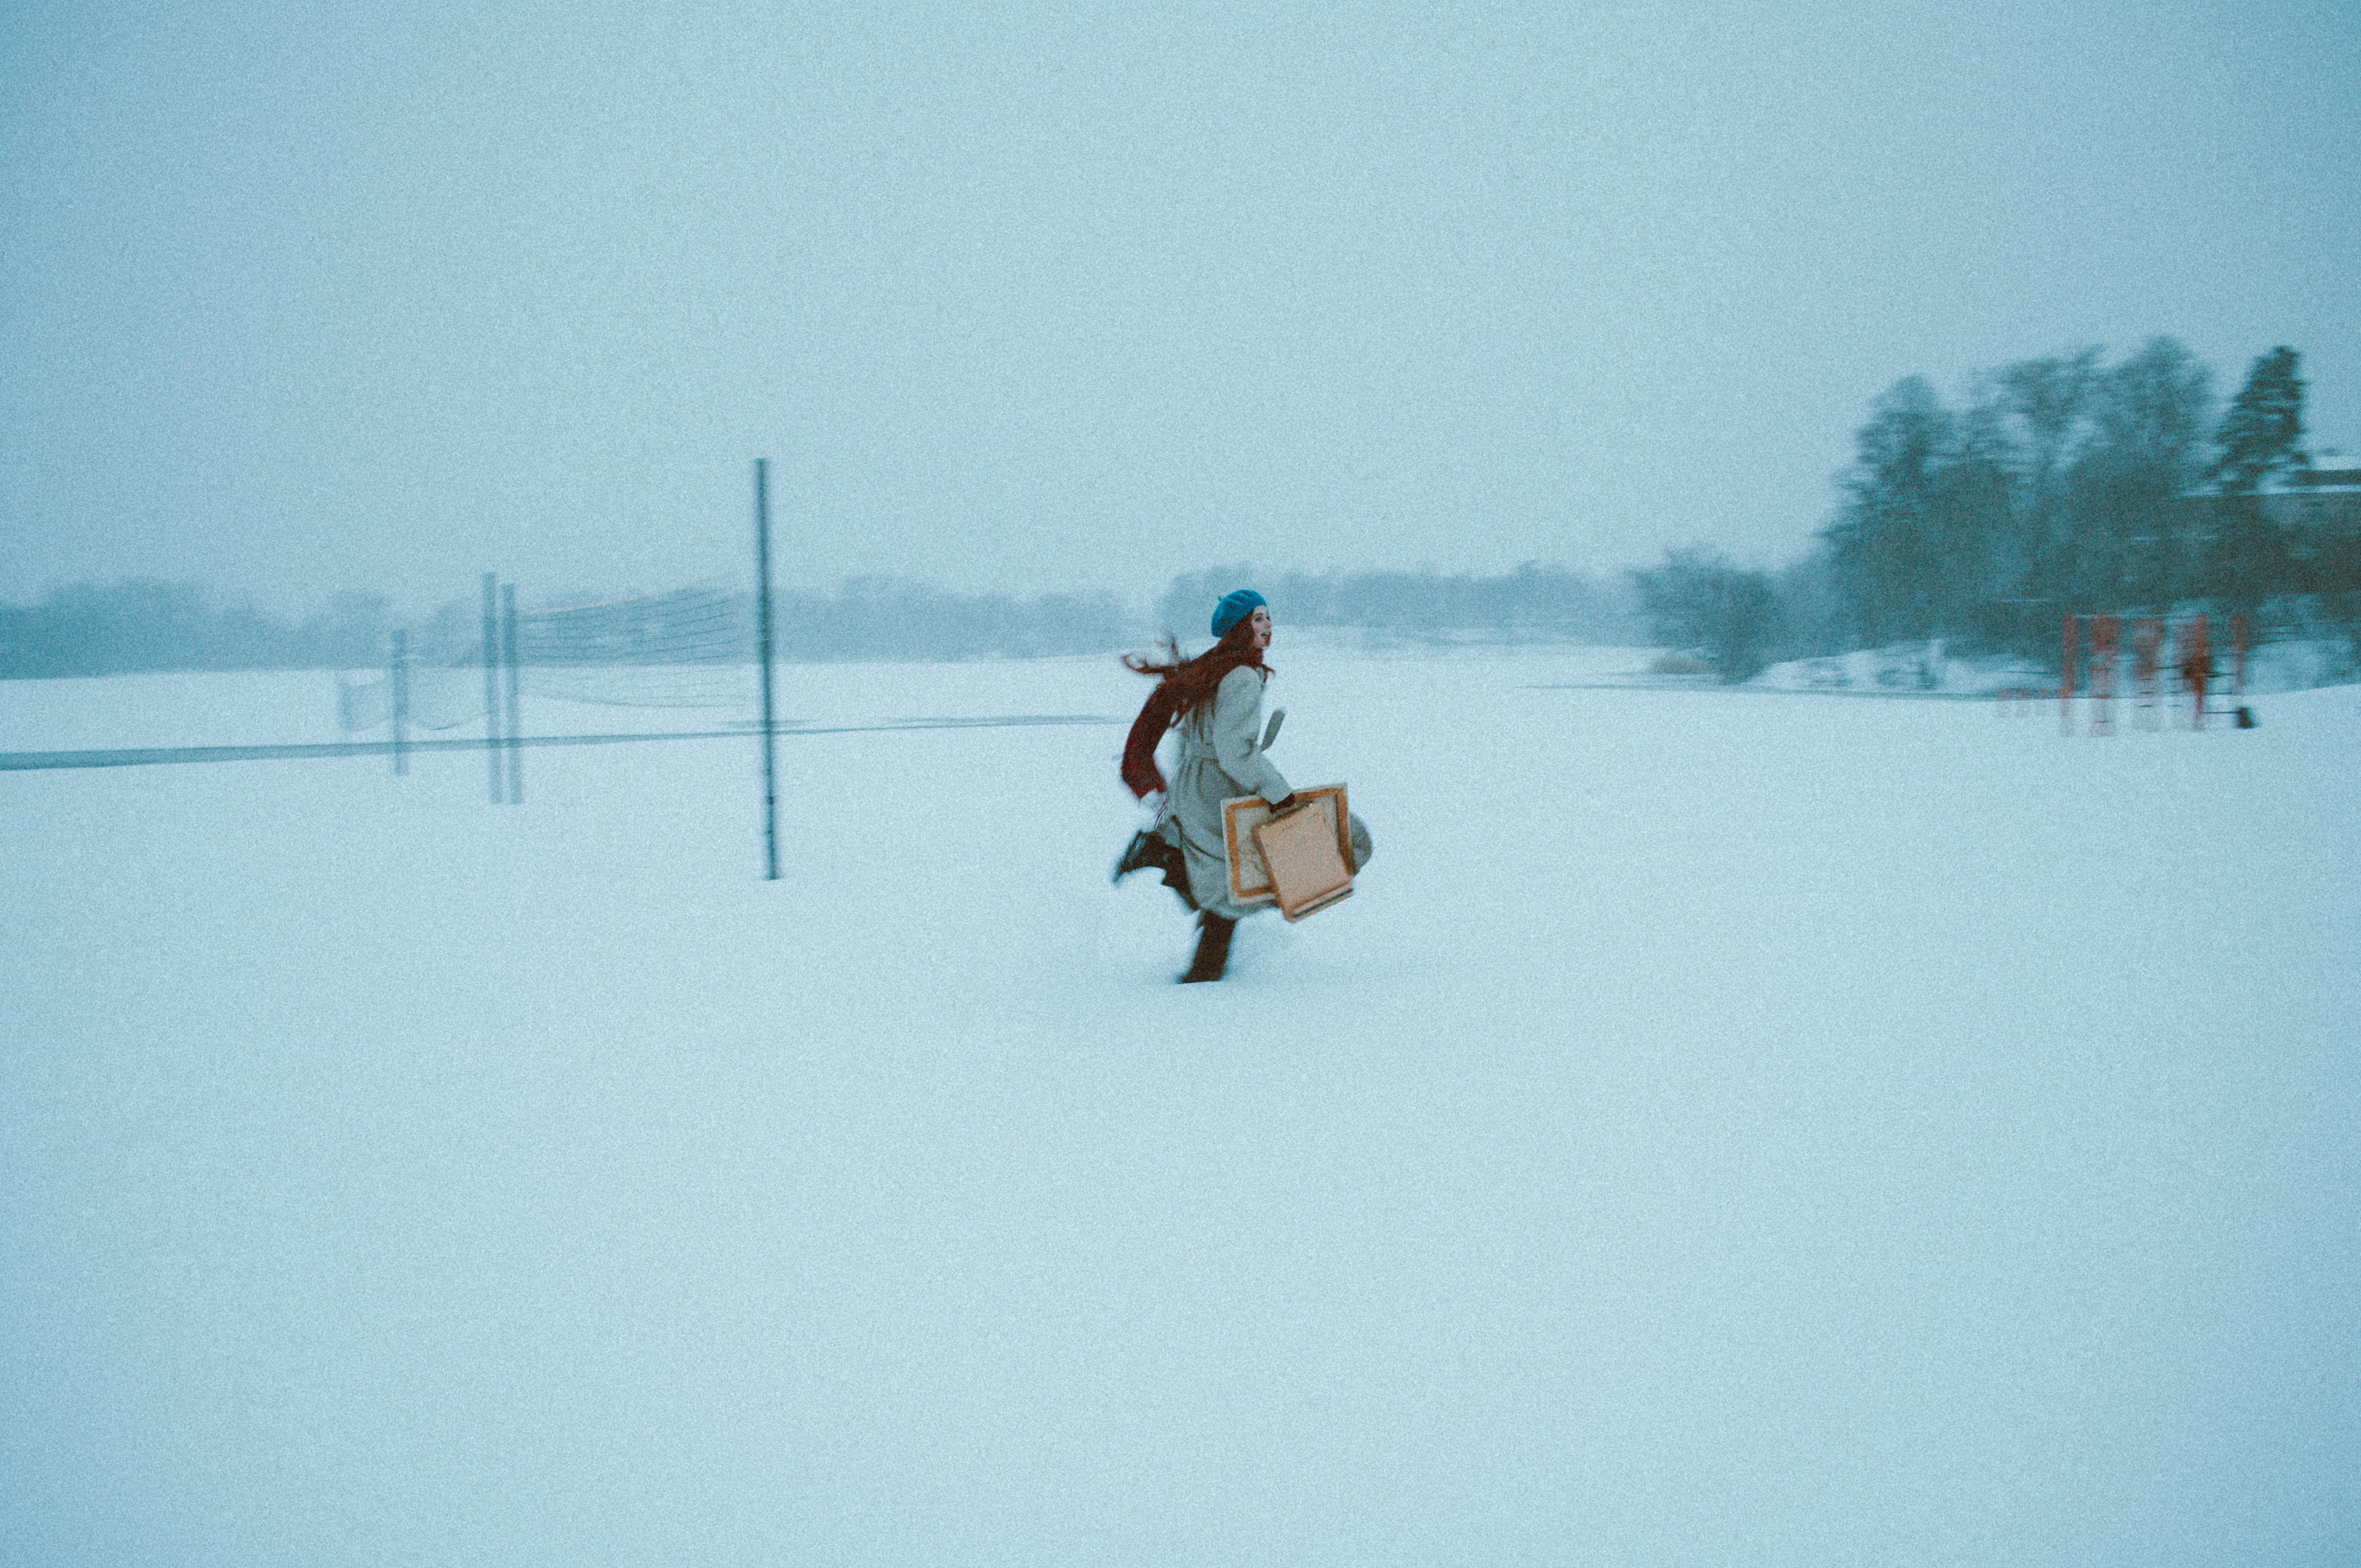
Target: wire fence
683,648
689,647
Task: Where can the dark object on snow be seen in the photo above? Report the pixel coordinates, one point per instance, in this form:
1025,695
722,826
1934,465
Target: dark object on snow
1213,932
2246,719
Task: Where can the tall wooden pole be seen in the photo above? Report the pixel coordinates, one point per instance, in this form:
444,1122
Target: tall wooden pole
492,685
762,623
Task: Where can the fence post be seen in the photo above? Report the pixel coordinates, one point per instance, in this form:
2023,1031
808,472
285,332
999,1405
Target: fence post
2066,679
492,686
763,620
515,726
2197,669
2104,662
2147,638
397,679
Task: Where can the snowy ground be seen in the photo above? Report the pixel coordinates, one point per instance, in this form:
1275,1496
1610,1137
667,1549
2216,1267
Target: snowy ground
1719,1129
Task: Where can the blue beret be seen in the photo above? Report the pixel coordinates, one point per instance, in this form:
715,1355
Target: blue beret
1235,606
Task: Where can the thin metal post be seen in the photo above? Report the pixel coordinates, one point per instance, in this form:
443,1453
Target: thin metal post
2147,652
515,725
397,684
2066,679
492,685
763,622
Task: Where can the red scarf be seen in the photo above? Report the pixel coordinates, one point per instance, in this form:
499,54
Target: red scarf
1163,710
1139,770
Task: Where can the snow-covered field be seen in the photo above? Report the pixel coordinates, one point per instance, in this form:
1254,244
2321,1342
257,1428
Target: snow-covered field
1720,1129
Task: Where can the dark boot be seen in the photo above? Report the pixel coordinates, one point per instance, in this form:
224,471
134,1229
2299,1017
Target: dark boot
1152,851
1214,932
1144,852
1175,871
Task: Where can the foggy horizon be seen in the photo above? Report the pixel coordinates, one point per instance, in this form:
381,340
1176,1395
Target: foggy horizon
300,604
317,302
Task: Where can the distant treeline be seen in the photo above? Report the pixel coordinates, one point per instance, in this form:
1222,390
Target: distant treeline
2062,486
1532,603
144,625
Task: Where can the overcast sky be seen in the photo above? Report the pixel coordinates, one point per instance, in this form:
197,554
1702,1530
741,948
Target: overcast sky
305,297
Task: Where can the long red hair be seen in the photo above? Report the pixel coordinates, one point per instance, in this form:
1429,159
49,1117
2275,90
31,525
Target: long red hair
1190,684
1183,686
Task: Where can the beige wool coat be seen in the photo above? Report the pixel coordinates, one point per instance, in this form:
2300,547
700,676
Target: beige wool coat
1221,758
